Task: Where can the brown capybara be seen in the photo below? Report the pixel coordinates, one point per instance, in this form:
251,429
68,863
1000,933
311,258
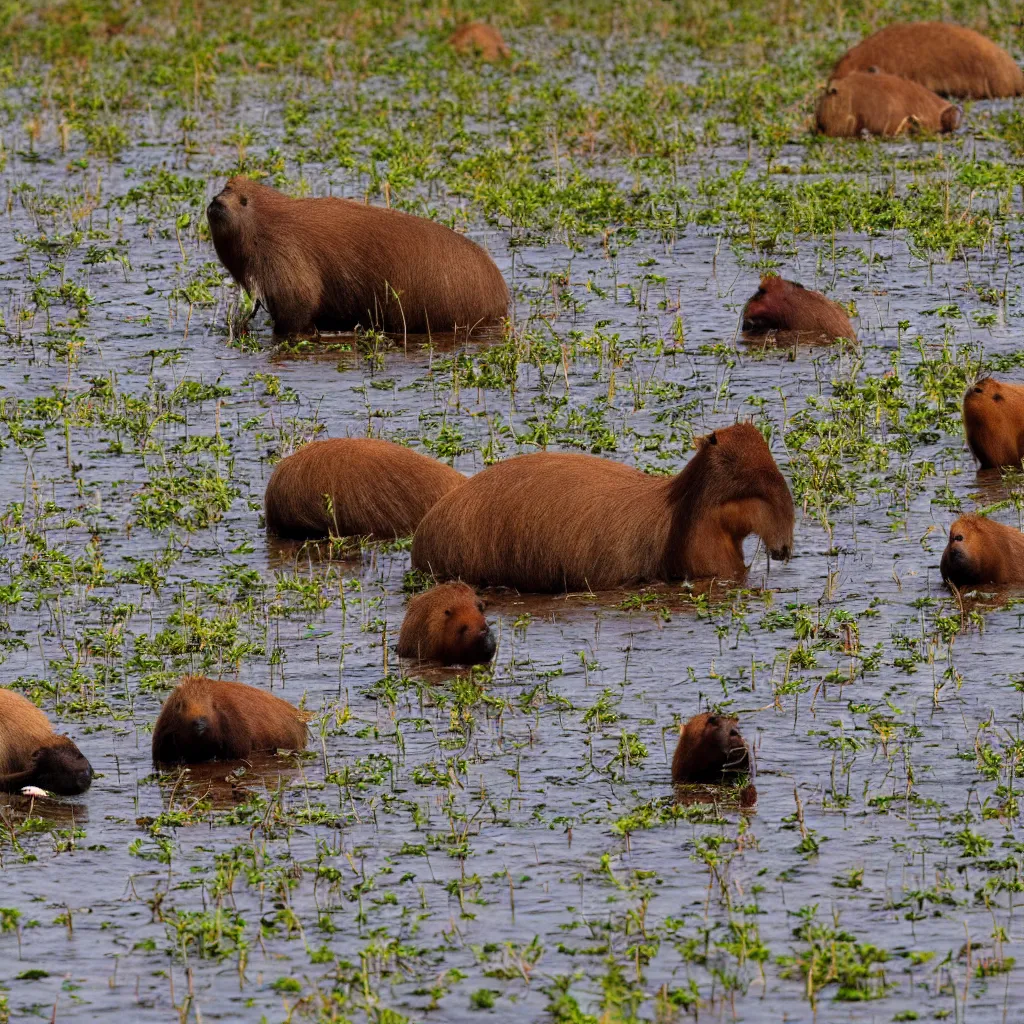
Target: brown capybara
780,305
710,747
447,624
981,551
214,720
32,754
480,39
335,264
994,422
552,522
880,104
948,59
354,487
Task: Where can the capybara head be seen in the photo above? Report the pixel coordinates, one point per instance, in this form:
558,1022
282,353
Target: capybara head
60,767
481,39
780,305
710,747
730,489
447,624
231,215
994,422
981,551
189,726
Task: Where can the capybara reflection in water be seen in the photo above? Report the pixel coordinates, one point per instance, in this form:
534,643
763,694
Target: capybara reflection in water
710,748
552,522
880,104
447,624
354,486
780,305
947,59
981,551
211,719
480,39
994,423
335,264
32,754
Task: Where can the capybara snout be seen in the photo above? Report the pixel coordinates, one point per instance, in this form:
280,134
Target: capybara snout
62,768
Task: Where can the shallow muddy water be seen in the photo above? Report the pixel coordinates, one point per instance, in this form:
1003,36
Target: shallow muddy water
505,843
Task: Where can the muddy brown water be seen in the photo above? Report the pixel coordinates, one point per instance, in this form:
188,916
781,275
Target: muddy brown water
528,788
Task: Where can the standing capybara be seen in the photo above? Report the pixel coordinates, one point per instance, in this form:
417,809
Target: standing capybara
480,39
947,59
983,551
214,720
880,104
710,747
335,264
551,522
32,754
780,305
447,624
994,423
354,487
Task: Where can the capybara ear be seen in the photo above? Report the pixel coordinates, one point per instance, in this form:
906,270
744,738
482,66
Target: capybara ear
711,722
951,119
832,90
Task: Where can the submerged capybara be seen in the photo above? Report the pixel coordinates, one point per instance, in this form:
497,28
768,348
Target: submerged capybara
354,486
881,104
981,551
553,522
710,747
994,422
948,59
334,264
780,305
480,39
215,720
447,624
32,754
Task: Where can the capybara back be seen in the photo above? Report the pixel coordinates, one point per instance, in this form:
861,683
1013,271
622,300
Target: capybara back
994,422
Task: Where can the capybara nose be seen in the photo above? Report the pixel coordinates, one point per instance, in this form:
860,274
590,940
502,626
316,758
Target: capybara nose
84,779
200,725
487,644
782,554
216,208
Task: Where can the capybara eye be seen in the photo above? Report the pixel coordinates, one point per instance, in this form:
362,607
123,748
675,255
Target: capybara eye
244,201
873,70
958,538
978,391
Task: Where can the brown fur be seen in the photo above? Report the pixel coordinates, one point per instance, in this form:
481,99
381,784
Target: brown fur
447,624
480,39
553,522
32,754
947,59
354,486
211,719
780,305
335,264
981,551
880,104
994,423
710,747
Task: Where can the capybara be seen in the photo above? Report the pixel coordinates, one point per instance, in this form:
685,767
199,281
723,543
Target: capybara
947,59
994,422
481,39
447,624
981,551
880,104
32,754
551,522
780,305
710,747
334,264
354,486
215,720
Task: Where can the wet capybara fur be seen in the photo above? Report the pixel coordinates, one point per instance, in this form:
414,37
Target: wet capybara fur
948,59
32,754
447,624
780,305
481,40
215,720
981,551
555,522
354,487
994,423
710,748
881,104
335,264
